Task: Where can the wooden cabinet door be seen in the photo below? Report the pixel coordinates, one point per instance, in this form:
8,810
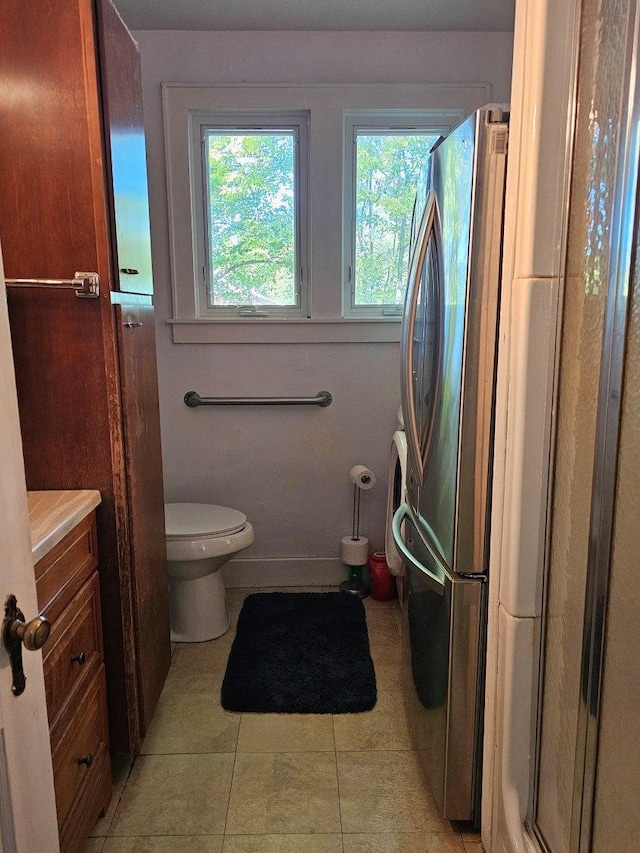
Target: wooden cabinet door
51,170
125,152
143,466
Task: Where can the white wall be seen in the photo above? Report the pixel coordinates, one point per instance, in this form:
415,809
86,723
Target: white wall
287,468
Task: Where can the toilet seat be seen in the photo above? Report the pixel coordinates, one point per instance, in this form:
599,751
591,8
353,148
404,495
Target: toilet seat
198,521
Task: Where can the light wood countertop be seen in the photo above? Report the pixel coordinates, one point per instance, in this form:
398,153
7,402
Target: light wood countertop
53,514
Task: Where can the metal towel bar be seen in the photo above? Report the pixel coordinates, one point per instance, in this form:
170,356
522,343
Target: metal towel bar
193,399
85,284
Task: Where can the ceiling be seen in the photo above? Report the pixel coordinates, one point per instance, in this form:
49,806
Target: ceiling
392,15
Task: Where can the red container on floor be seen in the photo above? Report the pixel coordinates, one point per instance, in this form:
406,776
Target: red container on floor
382,581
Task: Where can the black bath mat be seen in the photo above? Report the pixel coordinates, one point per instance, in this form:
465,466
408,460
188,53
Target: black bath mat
300,653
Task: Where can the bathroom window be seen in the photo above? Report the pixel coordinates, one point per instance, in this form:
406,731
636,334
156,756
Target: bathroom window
251,238
385,179
254,170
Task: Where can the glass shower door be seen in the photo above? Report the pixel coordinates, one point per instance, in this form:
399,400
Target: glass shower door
584,795
615,812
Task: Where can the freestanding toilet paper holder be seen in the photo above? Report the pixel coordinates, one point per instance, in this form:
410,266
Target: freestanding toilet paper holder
355,549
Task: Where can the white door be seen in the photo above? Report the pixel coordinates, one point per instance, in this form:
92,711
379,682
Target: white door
27,803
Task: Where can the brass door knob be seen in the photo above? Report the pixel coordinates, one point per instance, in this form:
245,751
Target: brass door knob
17,633
34,634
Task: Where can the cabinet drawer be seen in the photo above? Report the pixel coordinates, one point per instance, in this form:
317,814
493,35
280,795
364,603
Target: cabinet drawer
78,752
74,649
66,567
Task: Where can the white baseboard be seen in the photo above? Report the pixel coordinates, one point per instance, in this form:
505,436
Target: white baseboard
293,571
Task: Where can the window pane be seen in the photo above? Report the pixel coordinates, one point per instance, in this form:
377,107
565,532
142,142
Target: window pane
251,208
389,168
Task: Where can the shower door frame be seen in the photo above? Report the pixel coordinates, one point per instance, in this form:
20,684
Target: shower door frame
623,247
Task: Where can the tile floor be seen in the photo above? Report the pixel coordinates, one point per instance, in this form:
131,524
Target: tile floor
210,781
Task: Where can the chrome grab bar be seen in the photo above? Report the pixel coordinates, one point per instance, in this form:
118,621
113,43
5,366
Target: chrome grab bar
193,399
85,284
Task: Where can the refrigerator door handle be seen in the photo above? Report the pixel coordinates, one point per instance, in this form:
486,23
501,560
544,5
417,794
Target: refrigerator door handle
426,229
433,580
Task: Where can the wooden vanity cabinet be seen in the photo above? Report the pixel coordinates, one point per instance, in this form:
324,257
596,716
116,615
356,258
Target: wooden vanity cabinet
75,686
73,197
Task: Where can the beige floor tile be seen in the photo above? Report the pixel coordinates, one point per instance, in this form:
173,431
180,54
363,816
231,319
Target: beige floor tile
282,844
473,847
403,842
166,793
286,733
397,615
384,727
385,792
94,845
371,605
120,769
382,627
235,599
284,793
191,722
165,844
198,667
387,661
469,836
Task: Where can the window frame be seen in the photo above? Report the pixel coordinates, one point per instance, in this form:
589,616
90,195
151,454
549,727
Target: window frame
236,120
326,105
370,122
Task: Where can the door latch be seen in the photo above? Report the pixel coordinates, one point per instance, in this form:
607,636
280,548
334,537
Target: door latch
16,633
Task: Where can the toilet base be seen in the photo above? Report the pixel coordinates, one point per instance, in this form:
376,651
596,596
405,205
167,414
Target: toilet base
197,608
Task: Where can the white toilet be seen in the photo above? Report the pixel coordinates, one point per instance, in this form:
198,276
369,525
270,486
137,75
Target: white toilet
201,538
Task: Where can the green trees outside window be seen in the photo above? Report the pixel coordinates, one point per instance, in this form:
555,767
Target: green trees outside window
251,210
251,215
390,169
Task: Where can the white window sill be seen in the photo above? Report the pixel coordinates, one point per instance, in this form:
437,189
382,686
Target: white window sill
273,331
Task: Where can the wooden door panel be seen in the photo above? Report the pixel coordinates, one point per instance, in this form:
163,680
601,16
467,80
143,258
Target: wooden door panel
136,343
126,153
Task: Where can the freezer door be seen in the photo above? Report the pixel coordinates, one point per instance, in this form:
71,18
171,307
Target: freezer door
442,677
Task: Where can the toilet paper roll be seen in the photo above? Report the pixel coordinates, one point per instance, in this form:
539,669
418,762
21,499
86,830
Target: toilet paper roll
355,552
363,477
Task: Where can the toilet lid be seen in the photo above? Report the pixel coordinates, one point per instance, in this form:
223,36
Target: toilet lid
186,521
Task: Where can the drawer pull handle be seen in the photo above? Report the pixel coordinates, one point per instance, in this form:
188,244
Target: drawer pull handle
86,759
79,659
128,271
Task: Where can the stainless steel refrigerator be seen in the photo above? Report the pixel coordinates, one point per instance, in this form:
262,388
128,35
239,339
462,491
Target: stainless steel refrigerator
449,341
